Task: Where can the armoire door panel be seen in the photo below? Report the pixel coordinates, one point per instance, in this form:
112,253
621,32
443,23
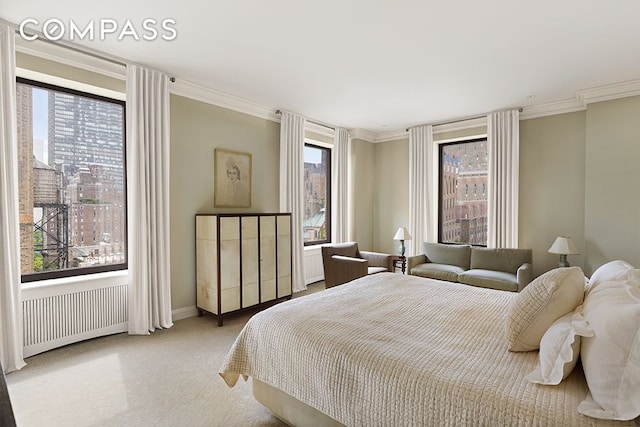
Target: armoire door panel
267,249
229,264
230,299
206,227
250,261
268,290
284,286
229,228
207,298
250,295
206,263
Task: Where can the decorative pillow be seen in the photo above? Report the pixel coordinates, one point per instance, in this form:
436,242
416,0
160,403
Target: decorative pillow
613,270
542,302
560,348
611,358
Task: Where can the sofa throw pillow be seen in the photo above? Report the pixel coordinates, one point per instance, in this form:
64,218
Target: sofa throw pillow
560,348
613,270
611,358
542,302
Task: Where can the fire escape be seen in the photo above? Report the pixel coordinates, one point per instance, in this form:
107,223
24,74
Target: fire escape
54,223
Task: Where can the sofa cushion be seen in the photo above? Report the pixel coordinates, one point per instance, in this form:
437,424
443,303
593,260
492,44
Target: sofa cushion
501,259
437,271
440,253
490,279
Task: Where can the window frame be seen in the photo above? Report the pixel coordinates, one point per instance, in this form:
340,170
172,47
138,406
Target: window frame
79,271
441,147
329,151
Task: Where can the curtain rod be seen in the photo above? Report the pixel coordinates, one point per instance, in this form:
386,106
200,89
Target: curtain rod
83,51
464,119
279,112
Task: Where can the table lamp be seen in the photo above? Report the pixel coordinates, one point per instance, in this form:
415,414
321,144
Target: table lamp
402,234
563,246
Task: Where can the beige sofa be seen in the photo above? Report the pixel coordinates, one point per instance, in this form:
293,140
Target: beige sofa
504,269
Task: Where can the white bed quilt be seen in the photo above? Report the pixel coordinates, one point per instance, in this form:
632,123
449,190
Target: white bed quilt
395,350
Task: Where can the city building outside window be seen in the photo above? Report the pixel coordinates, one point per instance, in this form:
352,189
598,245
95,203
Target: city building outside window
317,195
71,155
462,200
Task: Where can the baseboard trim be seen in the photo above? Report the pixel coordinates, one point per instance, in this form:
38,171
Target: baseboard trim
184,313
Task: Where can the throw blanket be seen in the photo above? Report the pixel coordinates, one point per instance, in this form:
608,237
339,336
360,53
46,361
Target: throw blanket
395,350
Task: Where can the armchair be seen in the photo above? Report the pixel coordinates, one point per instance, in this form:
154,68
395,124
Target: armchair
343,262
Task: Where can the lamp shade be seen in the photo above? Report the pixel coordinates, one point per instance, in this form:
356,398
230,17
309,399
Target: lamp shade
402,234
563,246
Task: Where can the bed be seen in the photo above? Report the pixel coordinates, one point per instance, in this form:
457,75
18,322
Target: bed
398,350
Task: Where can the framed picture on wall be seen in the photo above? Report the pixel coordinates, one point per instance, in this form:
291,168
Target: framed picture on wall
232,179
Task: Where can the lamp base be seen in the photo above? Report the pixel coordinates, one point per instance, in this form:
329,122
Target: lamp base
401,247
563,262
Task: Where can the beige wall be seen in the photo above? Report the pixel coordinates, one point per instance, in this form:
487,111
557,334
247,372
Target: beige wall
391,208
612,182
552,168
365,194
196,129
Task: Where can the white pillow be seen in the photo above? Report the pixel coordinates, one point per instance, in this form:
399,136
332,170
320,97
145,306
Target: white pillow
611,358
543,301
560,348
613,270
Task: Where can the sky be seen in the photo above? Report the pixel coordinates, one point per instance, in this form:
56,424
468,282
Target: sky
312,155
40,111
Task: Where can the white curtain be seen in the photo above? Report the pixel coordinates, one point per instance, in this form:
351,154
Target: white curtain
422,226
292,188
340,186
148,200
504,154
11,348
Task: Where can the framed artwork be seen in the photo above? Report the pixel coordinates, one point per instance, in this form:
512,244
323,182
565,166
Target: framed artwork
232,179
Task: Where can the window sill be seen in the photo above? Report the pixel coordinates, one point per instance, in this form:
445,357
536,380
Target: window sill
74,284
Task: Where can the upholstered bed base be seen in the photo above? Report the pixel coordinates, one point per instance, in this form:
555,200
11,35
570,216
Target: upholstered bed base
289,409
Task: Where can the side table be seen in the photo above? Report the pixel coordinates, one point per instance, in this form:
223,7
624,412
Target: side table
399,261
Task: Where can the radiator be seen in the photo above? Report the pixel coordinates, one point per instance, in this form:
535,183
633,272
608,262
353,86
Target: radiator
58,314
313,271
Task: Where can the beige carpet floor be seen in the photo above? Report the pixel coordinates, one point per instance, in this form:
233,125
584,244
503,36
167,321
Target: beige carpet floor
169,378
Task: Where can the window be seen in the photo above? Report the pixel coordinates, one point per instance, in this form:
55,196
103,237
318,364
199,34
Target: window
463,198
317,195
71,156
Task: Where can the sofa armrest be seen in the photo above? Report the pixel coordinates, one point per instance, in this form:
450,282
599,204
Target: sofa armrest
524,275
412,261
344,269
377,259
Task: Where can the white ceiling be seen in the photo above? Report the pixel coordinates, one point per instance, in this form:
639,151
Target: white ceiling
378,65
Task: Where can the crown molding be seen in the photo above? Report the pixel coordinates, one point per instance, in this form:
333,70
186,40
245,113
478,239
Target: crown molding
71,56
222,99
391,135
552,108
609,92
363,134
